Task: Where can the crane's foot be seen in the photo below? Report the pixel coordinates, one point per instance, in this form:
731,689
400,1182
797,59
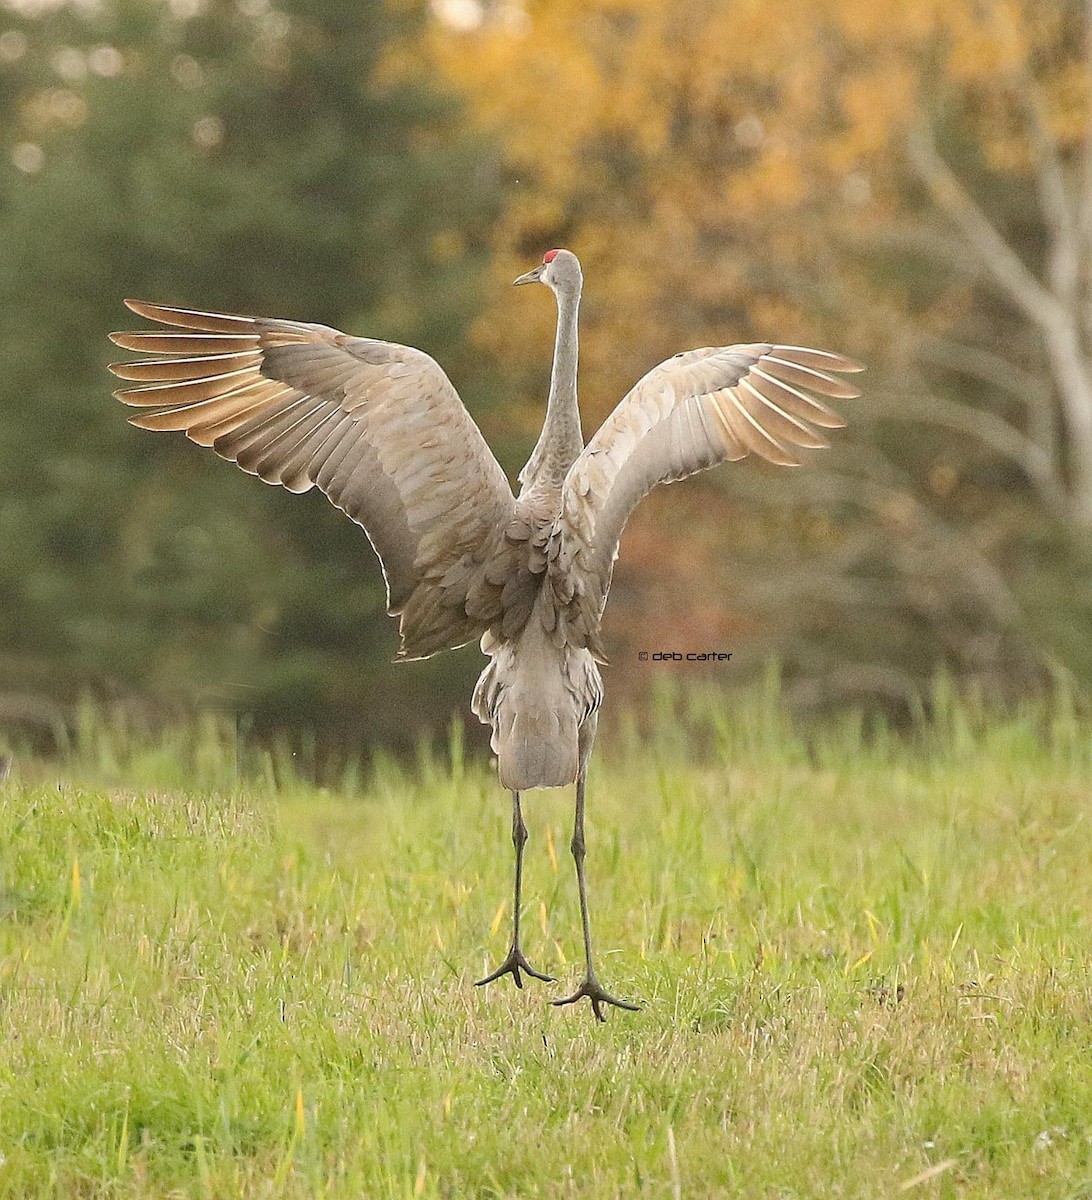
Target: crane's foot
598,995
512,965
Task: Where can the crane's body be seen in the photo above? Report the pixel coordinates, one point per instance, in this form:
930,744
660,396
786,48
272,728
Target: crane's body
542,688
380,430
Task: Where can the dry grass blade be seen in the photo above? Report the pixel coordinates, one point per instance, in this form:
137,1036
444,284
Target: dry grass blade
933,1172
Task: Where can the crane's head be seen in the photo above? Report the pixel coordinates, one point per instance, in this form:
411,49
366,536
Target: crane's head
559,270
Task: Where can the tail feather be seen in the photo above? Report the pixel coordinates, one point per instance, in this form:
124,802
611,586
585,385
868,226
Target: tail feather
535,747
536,695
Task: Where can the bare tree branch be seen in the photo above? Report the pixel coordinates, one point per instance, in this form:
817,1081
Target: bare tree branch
1064,264
947,544
1058,322
996,255
1071,369
1061,222
987,427
1084,210
997,372
926,239
1085,207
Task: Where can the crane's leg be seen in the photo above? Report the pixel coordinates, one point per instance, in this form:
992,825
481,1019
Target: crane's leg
515,962
591,987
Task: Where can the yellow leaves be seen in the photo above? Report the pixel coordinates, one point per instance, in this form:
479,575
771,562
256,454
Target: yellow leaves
447,246
890,26
776,179
637,131
776,313
683,150
399,64
986,40
1017,65
1067,96
1008,151
515,83
874,104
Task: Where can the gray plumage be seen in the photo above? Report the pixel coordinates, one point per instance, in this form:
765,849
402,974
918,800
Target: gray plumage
379,429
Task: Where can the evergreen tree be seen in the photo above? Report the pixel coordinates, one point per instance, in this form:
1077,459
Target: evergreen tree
292,161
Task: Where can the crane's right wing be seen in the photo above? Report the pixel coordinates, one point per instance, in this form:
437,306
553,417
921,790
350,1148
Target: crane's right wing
377,427
691,412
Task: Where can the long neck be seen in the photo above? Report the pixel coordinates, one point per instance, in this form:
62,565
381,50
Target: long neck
561,439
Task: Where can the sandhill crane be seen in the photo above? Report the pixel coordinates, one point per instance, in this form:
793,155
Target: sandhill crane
381,431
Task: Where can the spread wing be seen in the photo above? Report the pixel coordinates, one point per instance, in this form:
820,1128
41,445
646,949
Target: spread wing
691,412
377,427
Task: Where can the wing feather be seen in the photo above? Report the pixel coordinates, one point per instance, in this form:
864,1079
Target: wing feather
695,410
183,343
818,381
795,401
780,423
375,426
190,318
161,369
189,391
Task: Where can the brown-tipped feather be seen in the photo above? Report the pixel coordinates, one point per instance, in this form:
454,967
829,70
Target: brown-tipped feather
294,470
185,343
783,425
200,414
190,318
210,431
264,432
748,431
807,377
164,370
186,393
820,360
266,460
794,401
251,404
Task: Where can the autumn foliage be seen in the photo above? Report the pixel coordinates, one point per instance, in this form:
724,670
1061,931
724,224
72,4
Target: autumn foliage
909,183
731,173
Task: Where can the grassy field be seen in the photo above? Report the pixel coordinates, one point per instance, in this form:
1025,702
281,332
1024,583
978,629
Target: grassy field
865,965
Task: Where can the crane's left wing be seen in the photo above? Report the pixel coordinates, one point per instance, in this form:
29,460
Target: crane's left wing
695,410
377,427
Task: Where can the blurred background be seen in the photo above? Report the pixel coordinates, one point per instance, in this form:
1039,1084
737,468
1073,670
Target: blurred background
908,183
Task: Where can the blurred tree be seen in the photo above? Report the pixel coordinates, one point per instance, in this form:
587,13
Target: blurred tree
241,155
909,183
731,175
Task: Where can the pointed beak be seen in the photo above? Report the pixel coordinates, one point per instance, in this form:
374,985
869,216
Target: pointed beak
531,277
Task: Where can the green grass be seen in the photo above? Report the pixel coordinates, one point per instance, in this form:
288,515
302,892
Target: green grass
860,960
